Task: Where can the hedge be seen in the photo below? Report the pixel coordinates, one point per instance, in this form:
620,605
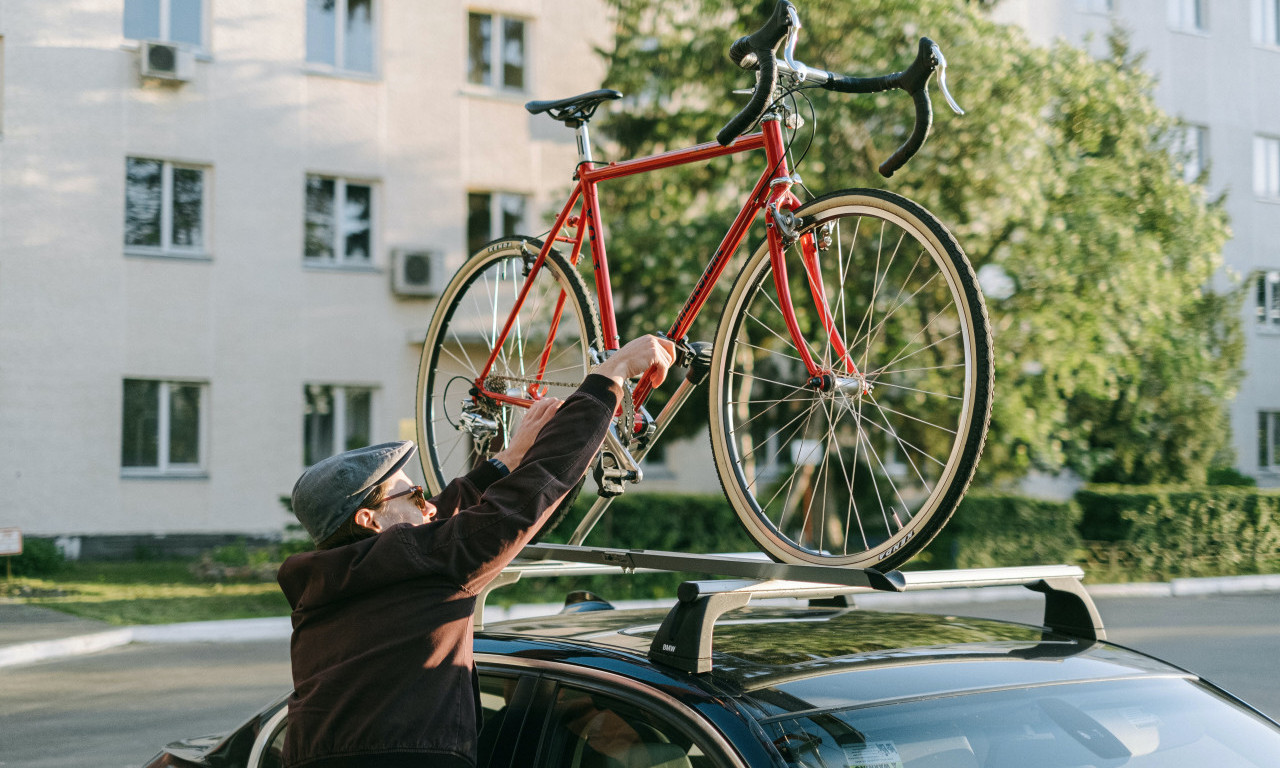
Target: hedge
1001,529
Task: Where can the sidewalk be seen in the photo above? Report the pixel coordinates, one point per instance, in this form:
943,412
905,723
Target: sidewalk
31,633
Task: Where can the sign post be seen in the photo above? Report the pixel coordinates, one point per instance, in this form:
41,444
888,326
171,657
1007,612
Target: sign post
10,544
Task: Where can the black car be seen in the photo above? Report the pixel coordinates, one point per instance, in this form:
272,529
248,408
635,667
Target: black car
827,686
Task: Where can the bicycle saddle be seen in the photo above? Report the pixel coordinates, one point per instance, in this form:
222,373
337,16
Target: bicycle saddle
575,109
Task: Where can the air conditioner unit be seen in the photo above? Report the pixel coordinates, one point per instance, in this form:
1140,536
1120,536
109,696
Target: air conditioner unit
166,61
417,272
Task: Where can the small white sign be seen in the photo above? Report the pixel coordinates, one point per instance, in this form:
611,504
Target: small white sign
10,541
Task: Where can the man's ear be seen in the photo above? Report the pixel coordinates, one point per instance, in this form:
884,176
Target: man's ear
367,519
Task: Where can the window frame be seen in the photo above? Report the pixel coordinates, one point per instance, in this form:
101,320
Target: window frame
1194,140
167,249
338,67
497,41
1266,300
165,24
1266,167
1264,34
340,260
1177,12
339,393
163,467
1095,7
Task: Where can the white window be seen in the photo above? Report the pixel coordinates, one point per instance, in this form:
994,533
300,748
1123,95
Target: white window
1189,15
1266,167
339,222
164,208
1269,440
163,427
1193,151
341,35
336,419
1266,22
496,52
491,215
1267,300
1094,6
177,21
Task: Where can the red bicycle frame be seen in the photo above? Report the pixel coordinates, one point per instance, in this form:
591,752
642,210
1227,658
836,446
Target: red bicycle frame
772,192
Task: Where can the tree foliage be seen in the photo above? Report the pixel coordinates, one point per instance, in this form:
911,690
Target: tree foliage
1113,357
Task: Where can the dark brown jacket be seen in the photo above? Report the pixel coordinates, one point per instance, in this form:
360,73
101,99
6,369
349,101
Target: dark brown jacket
381,648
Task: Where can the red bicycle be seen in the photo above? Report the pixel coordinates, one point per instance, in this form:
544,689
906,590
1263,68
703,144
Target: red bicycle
851,375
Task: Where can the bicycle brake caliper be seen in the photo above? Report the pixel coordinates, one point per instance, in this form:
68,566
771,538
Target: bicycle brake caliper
786,222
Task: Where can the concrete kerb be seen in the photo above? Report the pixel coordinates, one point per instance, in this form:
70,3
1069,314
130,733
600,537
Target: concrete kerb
279,628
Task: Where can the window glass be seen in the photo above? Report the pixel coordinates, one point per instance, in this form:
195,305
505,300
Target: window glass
479,221
184,424
1157,722
357,213
188,207
479,38
512,215
185,21
140,445
590,729
1266,166
359,409
142,19
357,54
513,53
143,199
317,424
321,32
319,218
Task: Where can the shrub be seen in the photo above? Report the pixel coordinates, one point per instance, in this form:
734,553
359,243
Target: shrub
40,557
997,529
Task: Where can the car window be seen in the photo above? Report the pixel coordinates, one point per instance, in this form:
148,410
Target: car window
1151,723
588,729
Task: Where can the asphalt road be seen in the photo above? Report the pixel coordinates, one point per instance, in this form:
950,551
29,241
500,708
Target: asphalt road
116,708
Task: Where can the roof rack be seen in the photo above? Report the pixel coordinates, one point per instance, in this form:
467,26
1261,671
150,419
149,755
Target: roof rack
684,641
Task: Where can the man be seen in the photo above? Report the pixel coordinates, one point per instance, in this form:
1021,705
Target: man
382,610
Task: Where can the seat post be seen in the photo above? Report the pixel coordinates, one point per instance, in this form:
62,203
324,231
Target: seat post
584,142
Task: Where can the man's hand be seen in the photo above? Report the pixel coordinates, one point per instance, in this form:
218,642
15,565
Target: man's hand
530,425
647,353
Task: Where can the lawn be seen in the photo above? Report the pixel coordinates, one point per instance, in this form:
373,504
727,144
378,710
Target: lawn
156,592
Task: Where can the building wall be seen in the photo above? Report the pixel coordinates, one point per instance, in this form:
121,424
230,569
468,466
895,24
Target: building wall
1218,78
78,315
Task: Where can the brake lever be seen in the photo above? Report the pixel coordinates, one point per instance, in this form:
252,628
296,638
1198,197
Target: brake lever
789,50
942,79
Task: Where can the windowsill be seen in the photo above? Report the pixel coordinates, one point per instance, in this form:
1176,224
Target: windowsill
1203,33
1267,199
147,253
505,95
201,53
320,70
145,473
320,266
1266,330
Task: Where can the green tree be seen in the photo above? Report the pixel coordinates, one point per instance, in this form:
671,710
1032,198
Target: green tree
1113,356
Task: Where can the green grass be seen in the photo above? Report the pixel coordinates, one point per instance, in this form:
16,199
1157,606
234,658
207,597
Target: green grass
157,592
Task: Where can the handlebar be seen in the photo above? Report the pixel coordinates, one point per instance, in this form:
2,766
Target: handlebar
758,51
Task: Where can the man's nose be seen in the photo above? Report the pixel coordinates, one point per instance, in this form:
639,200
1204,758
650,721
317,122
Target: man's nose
429,513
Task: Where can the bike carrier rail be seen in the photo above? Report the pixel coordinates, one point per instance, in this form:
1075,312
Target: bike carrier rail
684,640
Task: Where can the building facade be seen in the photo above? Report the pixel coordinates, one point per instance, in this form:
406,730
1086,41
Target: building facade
222,221
1218,66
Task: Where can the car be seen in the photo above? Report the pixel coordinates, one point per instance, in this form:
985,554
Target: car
715,682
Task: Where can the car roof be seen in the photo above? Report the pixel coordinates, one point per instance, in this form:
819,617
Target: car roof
791,659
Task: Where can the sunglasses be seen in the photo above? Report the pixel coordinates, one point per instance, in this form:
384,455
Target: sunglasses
416,494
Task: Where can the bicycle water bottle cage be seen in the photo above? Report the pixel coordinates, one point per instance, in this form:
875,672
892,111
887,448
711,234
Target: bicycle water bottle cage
575,110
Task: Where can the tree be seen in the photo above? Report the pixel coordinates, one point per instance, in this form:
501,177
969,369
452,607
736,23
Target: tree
1114,357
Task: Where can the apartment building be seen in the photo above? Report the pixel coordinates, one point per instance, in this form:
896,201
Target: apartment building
222,223
1218,65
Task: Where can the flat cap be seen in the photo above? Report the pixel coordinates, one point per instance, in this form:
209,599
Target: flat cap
330,491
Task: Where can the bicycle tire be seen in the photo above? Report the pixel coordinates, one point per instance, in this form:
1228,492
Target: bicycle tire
933,413
468,318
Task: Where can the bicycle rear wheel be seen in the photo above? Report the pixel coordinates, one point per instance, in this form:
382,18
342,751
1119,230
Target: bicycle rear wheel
856,468
557,319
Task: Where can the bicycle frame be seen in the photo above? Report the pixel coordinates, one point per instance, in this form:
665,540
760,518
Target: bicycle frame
772,192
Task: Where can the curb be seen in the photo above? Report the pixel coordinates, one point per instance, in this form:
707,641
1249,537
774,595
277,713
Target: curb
280,627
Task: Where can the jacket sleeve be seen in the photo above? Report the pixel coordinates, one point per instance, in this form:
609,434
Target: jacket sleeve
473,545
465,491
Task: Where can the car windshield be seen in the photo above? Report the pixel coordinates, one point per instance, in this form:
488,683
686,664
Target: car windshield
1147,723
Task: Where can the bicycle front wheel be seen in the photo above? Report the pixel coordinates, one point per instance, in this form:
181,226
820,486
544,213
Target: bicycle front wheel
547,351
863,464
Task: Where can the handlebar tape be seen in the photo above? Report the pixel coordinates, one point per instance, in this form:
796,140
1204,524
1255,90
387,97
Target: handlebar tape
758,51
